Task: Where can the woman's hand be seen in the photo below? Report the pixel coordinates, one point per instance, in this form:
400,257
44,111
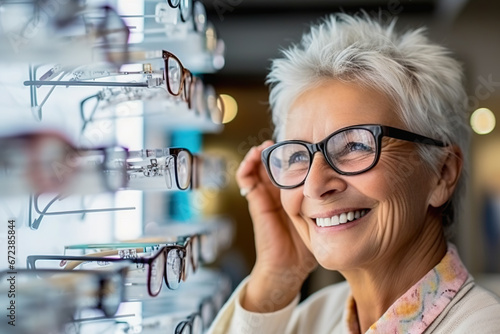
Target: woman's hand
283,261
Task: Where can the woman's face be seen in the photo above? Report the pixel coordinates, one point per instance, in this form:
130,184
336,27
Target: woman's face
393,196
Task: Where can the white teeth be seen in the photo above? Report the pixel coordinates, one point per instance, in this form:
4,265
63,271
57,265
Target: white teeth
335,220
350,216
340,219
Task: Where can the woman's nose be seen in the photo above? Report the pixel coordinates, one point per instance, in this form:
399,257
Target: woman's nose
322,180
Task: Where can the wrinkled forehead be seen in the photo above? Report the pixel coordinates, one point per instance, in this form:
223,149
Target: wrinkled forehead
332,105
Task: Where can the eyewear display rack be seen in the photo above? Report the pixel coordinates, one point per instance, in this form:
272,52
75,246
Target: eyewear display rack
94,95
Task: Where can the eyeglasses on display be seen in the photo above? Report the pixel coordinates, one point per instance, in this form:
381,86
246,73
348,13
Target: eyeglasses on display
172,263
97,289
157,168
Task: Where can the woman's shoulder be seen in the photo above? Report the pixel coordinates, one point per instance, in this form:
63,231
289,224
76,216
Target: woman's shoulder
474,309
334,293
474,298
322,311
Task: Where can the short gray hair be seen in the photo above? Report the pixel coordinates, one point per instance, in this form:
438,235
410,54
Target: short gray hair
424,82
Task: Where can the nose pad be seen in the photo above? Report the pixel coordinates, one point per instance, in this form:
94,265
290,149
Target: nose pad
322,179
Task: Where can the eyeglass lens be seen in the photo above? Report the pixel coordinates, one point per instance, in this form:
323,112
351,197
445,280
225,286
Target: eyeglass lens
183,169
350,151
188,266
197,325
207,312
192,326
174,76
157,271
186,9
173,3
195,244
173,269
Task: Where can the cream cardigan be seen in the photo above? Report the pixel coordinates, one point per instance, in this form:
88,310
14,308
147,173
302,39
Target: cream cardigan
472,310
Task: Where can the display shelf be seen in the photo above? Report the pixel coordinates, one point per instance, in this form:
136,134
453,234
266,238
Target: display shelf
79,53
192,50
199,52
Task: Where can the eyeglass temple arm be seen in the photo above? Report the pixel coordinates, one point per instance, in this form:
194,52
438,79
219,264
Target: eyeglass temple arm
410,136
33,92
82,109
34,224
84,83
75,261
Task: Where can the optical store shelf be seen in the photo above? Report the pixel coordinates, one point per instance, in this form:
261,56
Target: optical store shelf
48,116
206,290
22,39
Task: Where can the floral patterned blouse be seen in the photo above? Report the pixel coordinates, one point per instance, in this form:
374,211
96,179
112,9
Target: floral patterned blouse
414,311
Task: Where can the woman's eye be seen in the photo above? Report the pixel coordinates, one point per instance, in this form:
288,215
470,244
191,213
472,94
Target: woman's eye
298,157
357,146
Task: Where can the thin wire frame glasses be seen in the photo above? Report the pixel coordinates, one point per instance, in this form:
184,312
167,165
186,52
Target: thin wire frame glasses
349,151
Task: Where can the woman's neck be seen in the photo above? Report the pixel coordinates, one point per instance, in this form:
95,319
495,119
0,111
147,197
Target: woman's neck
377,286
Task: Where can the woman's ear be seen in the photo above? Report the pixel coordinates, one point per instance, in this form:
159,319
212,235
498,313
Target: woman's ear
449,174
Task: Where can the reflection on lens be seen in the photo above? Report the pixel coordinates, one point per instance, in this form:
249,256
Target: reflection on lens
352,150
214,104
183,169
197,325
195,242
187,89
289,164
200,16
186,328
157,274
173,3
174,76
207,312
208,248
199,104
188,261
186,6
173,269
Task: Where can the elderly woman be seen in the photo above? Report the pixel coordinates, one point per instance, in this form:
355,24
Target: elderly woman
365,179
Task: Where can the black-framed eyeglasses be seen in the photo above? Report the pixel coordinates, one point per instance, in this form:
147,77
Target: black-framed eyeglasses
349,151
199,321
193,324
167,264
185,7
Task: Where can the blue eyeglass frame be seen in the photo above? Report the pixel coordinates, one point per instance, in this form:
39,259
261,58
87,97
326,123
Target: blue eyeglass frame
378,131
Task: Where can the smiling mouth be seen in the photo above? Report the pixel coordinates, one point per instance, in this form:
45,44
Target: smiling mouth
343,218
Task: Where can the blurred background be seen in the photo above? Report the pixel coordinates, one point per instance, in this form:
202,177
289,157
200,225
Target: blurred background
255,31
